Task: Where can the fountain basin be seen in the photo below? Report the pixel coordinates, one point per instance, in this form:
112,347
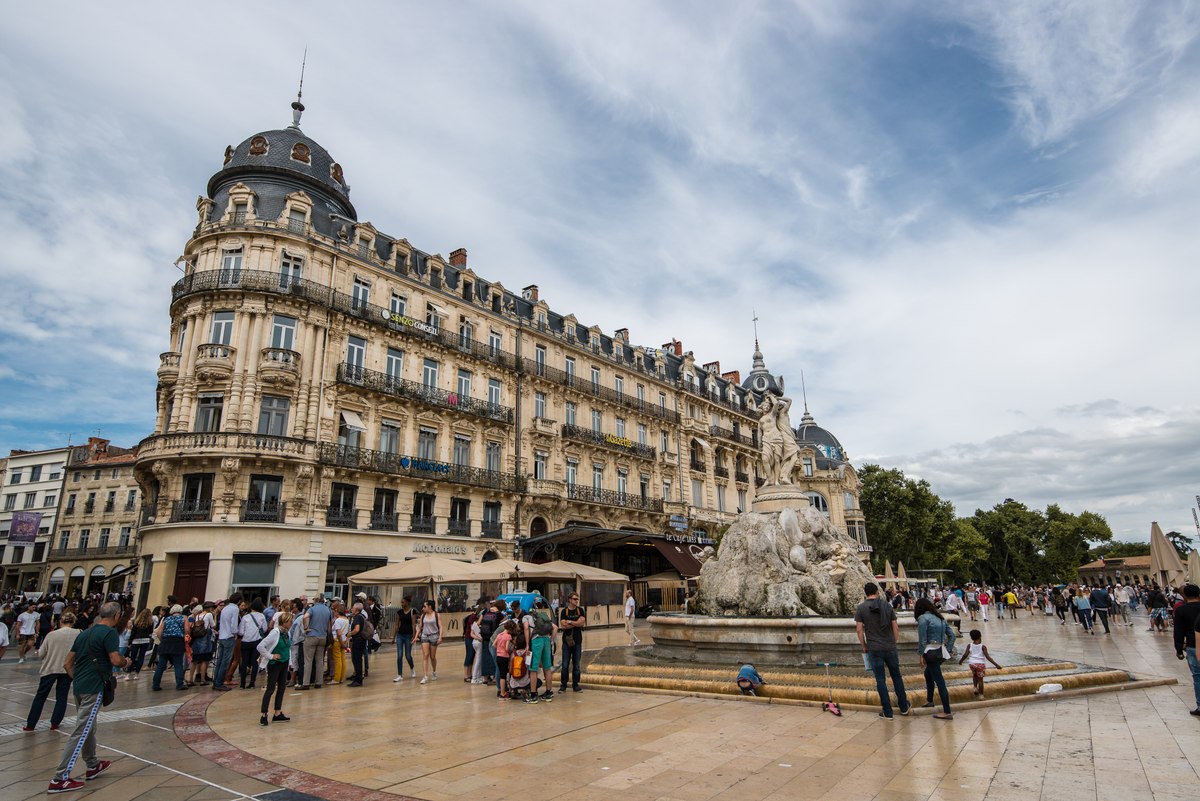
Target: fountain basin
796,641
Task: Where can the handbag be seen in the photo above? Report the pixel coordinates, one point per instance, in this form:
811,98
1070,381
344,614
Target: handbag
107,679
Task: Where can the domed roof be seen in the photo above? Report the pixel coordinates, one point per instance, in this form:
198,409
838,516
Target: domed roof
287,152
830,453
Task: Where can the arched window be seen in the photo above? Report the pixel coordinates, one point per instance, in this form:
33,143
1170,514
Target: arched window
818,502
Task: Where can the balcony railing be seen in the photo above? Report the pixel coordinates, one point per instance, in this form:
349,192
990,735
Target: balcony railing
610,441
731,436
587,387
104,550
89,507
341,518
432,396
459,528
696,464
420,524
191,511
399,464
263,511
384,522
215,351
70,510
491,530
720,472
738,475
693,389
203,442
578,492
280,284
109,506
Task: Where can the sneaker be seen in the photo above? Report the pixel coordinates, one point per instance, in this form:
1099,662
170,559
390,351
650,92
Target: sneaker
577,689
101,766
1195,712
398,679
21,661
424,679
547,696
562,689
64,785
262,721
531,699
434,676
280,717
31,728
906,710
477,681
885,716
53,727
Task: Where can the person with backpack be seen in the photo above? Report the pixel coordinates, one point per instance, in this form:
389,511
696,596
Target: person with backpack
431,638
541,660
571,623
489,621
171,646
253,628
203,643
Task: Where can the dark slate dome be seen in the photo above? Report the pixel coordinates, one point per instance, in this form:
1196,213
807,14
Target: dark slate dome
286,156
830,454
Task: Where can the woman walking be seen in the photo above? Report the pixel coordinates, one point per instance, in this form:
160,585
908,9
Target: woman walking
935,642
172,646
274,653
139,642
1084,607
431,638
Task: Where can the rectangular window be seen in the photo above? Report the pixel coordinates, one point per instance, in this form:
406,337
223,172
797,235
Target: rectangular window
394,366
662,442
427,444
539,404
622,482
389,436
30,499
35,473
383,512
720,497
641,394
429,374
662,400
641,433
348,435
432,317
619,385
570,369
126,532
423,506
466,334
71,503
105,533
597,421
494,391
493,456
341,497
595,378
273,416
491,518
808,466
130,500
572,472
666,489
620,432
644,486
464,383
231,260
462,450
399,305
494,342
64,539
222,328
741,500
539,358
570,413
182,337
208,412
460,513
85,534
15,478
290,267
111,502
283,332
50,499
356,352
539,464
360,294
597,477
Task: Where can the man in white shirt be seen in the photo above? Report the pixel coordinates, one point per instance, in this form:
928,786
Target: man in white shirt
954,605
1122,596
26,631
630,614
227,631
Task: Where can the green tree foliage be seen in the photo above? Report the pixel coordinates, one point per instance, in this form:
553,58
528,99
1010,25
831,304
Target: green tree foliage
1117,550
1182,543
907,522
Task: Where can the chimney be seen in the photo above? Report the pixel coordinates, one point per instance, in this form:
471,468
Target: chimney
713,367
674,346
97,446
622,334
734,377
530,293
458,258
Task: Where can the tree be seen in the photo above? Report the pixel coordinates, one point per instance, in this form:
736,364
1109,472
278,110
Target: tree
1016,536
967,551
906,521
1068,539
1182,543
1117,550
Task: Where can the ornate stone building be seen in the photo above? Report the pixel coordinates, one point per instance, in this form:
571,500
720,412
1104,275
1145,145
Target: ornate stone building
335,399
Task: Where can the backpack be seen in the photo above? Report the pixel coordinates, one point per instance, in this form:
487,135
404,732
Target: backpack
542,627
198,631
366,629
487,624
517,666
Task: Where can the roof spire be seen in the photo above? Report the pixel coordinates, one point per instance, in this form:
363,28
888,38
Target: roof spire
754,319
807,418
298,107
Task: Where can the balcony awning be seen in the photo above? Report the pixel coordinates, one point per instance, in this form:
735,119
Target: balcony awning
352,420
680,558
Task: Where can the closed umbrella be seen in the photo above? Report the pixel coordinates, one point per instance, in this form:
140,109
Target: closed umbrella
889,578
1165,563
901,576
1193,566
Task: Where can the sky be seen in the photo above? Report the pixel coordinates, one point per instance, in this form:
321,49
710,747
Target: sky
971,226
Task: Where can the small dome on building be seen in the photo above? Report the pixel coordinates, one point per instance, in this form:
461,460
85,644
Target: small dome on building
830,454
283,151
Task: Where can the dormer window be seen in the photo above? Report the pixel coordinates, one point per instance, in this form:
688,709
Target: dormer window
364,247
239,213
570,331
595,343
541,319
297,220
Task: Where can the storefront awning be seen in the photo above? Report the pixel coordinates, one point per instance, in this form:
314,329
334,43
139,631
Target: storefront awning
120,573
680,558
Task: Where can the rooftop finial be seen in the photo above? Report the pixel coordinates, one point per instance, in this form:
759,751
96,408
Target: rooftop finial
804,391
298,107
755,321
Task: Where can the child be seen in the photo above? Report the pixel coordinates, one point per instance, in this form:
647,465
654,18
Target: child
978,652
748,679
504,644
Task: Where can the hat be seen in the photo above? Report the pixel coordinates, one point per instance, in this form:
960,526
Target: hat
362,595
176,609
209,604
197,609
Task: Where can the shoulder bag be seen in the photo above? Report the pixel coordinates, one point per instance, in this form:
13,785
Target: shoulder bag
107,679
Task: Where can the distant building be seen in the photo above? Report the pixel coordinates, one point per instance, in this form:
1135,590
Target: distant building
95,547
32,487
1117,570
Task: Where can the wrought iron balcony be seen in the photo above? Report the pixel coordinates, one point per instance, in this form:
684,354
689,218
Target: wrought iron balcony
102,550
730,406
720,472
259,511
70,510
280,284
610,441
459,528
491,530
191,511
385,522
697,464
206,442
399,464
587,387
109,506
738,475
578,492
420,524
341,518
432,396
89,507
731,436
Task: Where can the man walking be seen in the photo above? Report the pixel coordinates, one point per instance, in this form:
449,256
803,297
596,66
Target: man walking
1187,616
878,632
317,622
53,674
1101,601
27,623
227,630
630,614
571,623
91,659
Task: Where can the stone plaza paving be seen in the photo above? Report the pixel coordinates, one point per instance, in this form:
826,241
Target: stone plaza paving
449,740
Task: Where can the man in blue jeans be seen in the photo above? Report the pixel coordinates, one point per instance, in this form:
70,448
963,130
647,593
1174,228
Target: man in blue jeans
571,622
1186,618
878,632
227,629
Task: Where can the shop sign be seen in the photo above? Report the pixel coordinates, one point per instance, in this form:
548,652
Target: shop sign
400,319
689,539
621,442
430,547
408,463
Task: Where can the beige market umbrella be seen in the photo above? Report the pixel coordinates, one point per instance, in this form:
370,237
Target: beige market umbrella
515,570
1165,563
889,578
584,572
422,570
901,575
1193,566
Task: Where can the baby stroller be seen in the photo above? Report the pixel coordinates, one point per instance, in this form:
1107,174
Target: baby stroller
518,677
